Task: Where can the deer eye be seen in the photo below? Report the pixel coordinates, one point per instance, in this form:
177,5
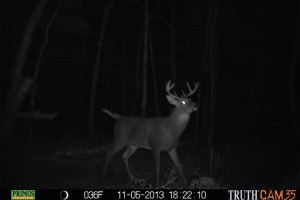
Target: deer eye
183,102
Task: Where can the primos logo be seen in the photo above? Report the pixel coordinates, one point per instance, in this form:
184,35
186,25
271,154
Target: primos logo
22,194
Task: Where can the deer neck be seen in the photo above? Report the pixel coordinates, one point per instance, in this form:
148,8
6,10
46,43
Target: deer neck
179,121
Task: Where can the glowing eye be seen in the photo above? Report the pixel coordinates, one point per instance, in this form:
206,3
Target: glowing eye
183,102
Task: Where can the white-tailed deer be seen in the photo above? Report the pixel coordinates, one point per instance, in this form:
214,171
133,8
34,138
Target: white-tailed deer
157,134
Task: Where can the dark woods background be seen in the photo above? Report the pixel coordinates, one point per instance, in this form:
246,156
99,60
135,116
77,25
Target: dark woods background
244,54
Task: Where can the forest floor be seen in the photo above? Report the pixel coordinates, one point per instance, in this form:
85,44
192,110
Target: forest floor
73,162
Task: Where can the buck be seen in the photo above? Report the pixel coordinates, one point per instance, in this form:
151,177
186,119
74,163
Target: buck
158,134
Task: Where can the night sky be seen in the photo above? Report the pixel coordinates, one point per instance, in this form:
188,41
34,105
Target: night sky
244,55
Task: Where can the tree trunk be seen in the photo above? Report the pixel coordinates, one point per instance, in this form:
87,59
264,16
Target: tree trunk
15,105
77,95
137,77
213,84
38,67
294,98
253,92
124,86
17,68
145,61
154,77
203,79
96,68
173,61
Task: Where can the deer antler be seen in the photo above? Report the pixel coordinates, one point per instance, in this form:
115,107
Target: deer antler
169,87
191,91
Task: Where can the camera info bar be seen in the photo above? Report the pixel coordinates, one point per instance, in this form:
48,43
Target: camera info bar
150,194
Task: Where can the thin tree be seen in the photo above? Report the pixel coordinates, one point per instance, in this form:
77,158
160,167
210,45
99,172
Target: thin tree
252,94
137,75
173,61
124,39
202,94
213,81
96,67
153,76
38,66
294,98
145,60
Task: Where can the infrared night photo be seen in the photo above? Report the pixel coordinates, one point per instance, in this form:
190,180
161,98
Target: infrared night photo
150,94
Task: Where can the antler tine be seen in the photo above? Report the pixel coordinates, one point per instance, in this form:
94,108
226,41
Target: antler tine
176,94
188,85
183,93
169,87
192,91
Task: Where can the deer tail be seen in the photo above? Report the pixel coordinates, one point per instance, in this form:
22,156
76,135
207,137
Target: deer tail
112,114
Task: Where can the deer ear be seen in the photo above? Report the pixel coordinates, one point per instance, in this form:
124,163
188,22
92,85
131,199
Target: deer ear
172,100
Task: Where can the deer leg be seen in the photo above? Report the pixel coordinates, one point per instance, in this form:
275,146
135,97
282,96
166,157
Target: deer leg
109,155
125,156
173,155
156,156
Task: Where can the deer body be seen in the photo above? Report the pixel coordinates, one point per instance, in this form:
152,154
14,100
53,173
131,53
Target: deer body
157,134
148,132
